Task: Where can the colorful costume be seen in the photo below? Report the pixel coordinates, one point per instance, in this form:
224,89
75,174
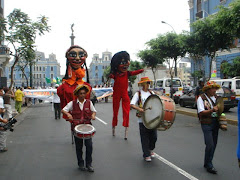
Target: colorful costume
119,65
75,73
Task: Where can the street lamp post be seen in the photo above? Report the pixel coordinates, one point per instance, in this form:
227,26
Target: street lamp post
170,26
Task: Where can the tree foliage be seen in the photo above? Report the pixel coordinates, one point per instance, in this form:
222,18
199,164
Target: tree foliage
20,31
168,46
150,59
231,69
135,65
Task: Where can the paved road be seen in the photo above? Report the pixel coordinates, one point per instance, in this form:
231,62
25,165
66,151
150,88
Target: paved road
40,148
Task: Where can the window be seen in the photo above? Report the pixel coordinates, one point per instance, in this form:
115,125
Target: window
176,83
159,84
51,76
106,58
43,68
44,75
51,68
37,76
40,68
96,68
40,76
238,84
37,68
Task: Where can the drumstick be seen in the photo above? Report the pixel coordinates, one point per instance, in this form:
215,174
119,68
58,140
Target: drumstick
150,108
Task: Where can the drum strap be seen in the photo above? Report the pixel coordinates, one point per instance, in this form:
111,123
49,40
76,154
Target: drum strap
140,98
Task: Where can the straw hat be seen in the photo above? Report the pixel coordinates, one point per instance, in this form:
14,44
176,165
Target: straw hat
144,80
79,87
209,85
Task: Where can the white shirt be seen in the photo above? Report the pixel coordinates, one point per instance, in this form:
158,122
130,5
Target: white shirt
69,106
144,96
56,98
200,103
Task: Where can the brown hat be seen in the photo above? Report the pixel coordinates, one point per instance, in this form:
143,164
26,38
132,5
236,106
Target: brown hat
209,85
144,80
79,87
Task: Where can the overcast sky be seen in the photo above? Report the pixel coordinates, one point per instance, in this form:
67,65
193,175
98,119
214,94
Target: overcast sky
101,25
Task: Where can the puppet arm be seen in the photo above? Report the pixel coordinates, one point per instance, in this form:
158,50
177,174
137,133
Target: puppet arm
111,76
134,73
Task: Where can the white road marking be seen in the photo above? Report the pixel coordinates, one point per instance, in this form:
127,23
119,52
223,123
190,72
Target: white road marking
181,171
101,121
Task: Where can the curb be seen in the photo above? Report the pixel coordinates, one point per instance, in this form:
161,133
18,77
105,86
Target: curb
229,121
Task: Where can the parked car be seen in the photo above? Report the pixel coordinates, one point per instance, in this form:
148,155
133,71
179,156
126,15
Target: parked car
224,92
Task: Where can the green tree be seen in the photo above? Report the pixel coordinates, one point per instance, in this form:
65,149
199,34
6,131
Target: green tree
211,38
227,19
169,46
231,69
20,31
150,59
135,65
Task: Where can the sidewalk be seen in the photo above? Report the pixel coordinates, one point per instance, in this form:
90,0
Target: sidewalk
193,112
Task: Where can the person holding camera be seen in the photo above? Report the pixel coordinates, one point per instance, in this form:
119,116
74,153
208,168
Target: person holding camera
3,133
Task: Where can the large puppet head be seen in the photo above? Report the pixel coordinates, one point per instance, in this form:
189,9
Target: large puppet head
120,62
76,58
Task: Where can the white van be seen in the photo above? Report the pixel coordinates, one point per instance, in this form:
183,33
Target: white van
233,84
163,85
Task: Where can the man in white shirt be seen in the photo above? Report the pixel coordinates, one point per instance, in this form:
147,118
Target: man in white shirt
56,104
81,111
207,113
148,136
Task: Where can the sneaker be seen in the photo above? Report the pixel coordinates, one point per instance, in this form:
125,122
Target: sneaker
148,159
152,154
90,168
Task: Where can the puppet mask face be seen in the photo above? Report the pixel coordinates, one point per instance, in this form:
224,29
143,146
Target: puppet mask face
76,57
123,67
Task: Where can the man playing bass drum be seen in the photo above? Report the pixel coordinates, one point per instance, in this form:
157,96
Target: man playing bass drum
148,136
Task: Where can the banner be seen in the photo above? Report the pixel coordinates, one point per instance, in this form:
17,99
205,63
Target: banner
47,94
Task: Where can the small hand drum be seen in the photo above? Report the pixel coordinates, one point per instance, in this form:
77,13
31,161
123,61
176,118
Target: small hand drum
159,112
84,131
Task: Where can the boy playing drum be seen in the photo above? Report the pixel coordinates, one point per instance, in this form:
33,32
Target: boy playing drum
81,111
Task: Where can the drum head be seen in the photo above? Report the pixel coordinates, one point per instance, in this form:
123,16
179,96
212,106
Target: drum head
84,128
153,112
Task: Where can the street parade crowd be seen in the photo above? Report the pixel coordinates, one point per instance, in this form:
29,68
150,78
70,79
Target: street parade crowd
73,99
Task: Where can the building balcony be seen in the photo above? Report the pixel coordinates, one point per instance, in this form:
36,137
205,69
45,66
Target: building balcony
199,14
4,55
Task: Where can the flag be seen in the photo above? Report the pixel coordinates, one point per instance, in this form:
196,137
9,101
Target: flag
54,80
48,80
58,80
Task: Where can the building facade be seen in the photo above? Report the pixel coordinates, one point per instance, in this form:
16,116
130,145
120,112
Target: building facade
42,68
4,52
201,9
97,67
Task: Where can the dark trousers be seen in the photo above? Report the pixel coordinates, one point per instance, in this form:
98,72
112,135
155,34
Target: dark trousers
210,132
79,151
148,139
57,110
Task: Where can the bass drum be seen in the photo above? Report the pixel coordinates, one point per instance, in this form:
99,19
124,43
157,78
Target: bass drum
160,112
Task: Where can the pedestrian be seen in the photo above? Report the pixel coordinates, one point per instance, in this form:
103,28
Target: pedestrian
3,133
93,97
148,136
207,113
56,104
7,102
81,111
18,99
1,98
199,88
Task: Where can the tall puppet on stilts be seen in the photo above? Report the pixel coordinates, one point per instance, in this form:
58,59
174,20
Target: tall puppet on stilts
119,72
238,149
75,72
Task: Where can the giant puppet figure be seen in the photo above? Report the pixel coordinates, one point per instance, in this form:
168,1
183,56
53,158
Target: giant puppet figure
75,72
119,72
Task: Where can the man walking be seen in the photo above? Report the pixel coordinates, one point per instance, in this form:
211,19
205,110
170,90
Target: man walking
18,99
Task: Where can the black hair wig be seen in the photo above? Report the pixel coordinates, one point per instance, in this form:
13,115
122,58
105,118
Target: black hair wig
116,60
